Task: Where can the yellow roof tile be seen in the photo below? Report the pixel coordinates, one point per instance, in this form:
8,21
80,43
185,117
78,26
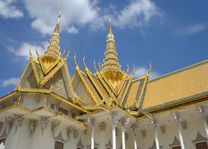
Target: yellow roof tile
177,85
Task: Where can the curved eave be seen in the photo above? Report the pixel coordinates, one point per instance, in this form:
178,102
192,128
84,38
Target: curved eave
45,91
8,95
17,109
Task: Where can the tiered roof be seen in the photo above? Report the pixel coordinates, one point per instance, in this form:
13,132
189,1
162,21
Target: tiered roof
109,87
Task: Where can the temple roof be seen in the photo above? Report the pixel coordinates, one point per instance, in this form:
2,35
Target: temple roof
109,87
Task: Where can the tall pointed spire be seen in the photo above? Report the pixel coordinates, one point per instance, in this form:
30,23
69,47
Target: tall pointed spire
111,62
53,47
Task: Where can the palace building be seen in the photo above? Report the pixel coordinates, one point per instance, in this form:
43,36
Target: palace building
104,108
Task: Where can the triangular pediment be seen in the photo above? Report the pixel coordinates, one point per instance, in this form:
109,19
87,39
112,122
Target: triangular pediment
47,63
27,79
57,80
82,89
115,82
40,76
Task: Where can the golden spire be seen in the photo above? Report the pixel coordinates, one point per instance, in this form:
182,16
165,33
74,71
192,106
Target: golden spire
111,62
53,47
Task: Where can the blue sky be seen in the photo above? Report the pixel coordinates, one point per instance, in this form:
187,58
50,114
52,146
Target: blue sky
171,34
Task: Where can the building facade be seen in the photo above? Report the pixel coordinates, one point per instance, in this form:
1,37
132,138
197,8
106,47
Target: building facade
106,108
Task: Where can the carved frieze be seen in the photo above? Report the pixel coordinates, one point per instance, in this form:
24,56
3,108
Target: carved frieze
102,126
32,126
54,127
18,123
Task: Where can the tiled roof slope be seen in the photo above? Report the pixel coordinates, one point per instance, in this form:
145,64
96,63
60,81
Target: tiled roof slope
175,87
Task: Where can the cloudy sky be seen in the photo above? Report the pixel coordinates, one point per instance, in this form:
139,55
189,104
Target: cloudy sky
169,34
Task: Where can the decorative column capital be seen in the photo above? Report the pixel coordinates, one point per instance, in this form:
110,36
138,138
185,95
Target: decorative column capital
154,123
114,115
176,117
124,121
91,121
201,109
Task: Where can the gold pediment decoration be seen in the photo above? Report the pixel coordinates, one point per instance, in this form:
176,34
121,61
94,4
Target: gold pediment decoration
40,76
115,81
47,63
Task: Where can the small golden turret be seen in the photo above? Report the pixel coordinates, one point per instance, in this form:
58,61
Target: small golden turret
53,47
111,62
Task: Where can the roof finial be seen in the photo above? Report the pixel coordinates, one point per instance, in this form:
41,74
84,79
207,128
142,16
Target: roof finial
149,70
53,47
83,60
75,62
95,67
110,26
110,31
133,71
127,70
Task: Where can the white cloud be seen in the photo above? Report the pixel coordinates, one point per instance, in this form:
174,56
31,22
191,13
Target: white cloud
23,50
137,13
87,12
9,10
142,70
72,30
196,28
9,82
74,12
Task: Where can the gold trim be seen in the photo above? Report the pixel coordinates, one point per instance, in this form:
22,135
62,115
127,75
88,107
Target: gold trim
174,110
34,70
24,71
50,75
26,90
128,85
45,91
71,119
15,106
97,88
86,87
69,80
68,102
142,91
8,95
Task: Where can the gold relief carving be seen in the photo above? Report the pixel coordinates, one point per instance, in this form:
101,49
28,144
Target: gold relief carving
47,63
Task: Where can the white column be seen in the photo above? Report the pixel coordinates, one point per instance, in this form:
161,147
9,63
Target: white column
176,117
124,122
91,121
113,115
154,125
134,135
203,116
